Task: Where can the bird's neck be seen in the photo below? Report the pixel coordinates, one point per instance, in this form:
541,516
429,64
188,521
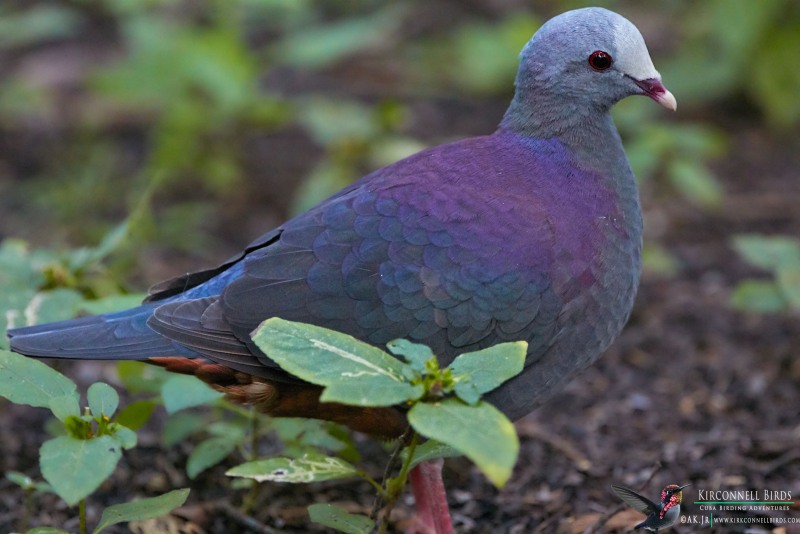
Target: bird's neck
545,116
589,133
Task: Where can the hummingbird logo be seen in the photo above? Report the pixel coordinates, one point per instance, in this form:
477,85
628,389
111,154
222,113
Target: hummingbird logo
660,515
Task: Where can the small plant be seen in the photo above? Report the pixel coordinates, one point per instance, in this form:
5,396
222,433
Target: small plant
75,463
444,405
780,256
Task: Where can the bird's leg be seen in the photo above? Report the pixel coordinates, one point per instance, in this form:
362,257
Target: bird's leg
433,514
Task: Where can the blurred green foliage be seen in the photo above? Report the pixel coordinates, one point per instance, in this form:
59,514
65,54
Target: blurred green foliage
777,255
732,47
193,81
163,114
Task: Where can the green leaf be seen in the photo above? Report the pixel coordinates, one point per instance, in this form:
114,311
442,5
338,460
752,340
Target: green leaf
181,425
481,432
28,381
352,372
65,406
124,436
322,45
789,282
112,303
487,52
53,305
414,353
208,454
46,530
142,509
431,450
769,252
39,23
477,372
340,520
775,86
136,414
310,468
759,296
139,377
75,468
657,260
183,391
103,399
21,479
695,182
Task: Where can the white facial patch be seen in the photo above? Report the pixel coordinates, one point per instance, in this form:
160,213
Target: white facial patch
632,56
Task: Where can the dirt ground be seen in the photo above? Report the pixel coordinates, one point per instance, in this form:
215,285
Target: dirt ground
691,392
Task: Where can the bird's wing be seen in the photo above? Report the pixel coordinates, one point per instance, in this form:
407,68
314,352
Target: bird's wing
185,282
634,500
409,253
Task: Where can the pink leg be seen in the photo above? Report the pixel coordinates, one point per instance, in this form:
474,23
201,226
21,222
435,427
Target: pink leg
433,514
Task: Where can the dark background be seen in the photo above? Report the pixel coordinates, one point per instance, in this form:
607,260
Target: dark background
205,123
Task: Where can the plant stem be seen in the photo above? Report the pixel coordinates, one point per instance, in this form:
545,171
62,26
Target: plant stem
250,499
403,476
387,472
82,515
374,483
394,486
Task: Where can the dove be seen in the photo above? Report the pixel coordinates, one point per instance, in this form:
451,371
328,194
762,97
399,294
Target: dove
533,232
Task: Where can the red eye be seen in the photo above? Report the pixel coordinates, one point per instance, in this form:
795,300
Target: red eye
600,60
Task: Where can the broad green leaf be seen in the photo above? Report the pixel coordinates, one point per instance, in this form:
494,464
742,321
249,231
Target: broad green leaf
75,468
477,372
103,399
759,296
695,182
325,44
53,305
142,509
112,303
31,26
85,257
301,434
789,282
183,391
179,426
775,86
769,252
659,261
46,530
481,432
209,453
28,381
65,406
352,372
336,518
20,479
414,353
486,53
136,414
139,377
431,450
235,430
124,436
309,468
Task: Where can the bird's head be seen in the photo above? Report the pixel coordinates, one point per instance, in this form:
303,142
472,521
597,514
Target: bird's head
588,59
672,494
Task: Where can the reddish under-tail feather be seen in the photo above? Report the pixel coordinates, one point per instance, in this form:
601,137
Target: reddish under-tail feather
287,399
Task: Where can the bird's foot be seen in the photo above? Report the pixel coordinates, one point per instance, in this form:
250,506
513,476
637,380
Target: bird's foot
433,514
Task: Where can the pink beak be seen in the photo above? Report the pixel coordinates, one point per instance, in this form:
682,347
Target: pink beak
653,88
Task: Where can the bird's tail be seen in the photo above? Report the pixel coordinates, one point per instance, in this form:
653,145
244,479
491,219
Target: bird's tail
116,336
